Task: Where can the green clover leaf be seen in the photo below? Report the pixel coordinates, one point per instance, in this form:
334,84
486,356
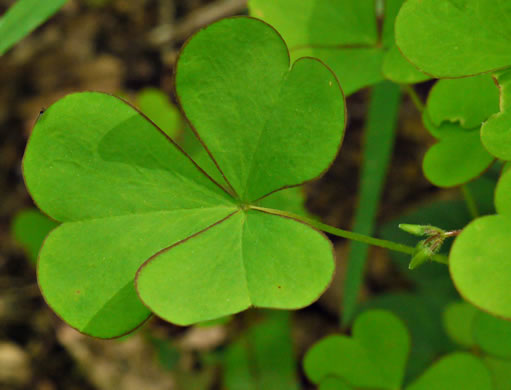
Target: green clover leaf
263,357
479,264
127,195
478,261
496,132
375,357
455,38
344,34
485,335
454,113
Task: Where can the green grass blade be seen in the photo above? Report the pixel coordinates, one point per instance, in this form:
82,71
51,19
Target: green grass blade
378,145
23,17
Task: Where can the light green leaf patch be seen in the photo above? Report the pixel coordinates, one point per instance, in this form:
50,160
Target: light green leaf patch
396,68
469,101
344,34
455,371
375,357
127,195
496,132
457,158
493,335
503,193
157,106
458,320
480,265
454,113
240,253
334,384
454,38
29,228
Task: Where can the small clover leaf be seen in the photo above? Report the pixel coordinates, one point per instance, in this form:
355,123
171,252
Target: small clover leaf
480,266
375,357
469,101
345,35
458,318
455,371
486,336
126,193
454,113
492,334
496,133
455,38
478,261
457,158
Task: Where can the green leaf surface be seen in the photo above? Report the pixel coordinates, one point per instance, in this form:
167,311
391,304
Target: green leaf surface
396,68
263,358
157,106
457,158
343,34
256,269
500,370
326,22
453,38
421,317
375,357
128,195
503,194
87,268
23,17
480,266
245,99
493,335
289,199
377,150
356,68
458,320
469,101
334,384
455,371
81,164
496,132
30,228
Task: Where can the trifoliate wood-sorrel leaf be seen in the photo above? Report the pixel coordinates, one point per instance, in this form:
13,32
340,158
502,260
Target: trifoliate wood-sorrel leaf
127,195
454,38
345,35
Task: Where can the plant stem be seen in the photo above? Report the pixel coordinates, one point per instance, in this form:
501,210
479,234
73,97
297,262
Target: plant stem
415,97
378,143
470,201
391,245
